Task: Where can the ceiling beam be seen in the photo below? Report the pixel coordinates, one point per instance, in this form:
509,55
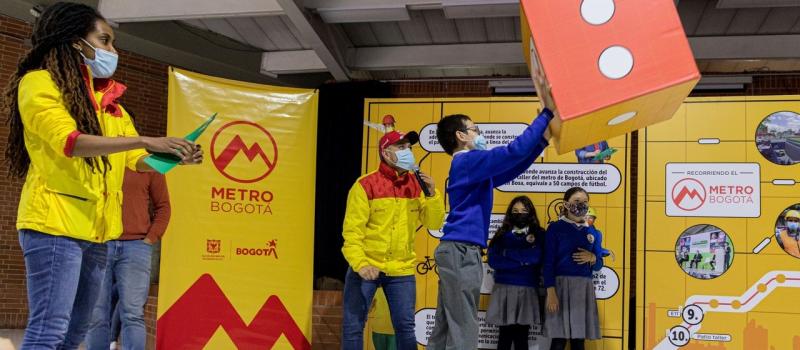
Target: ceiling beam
491,54
438,56
480,8
732,4
745,47
290,62
322,39
160,10
352,11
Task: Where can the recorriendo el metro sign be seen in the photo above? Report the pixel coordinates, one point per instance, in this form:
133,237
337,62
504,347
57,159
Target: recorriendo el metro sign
713,190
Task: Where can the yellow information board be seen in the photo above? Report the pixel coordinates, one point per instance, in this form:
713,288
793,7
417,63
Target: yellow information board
717,251
500,120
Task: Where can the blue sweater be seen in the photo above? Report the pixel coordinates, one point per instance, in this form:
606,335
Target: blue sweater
561,240
514,260
475,174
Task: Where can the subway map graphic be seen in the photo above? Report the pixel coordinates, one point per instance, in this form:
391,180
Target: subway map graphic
717,258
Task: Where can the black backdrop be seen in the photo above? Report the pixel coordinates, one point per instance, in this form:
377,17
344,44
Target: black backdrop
340,129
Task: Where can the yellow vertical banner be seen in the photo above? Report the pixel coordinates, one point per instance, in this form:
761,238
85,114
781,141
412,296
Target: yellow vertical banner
718,212
236,266
501,119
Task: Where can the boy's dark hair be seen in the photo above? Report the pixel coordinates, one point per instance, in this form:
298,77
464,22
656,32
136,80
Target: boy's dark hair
446,131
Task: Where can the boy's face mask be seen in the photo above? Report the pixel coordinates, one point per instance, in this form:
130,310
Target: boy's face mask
479,143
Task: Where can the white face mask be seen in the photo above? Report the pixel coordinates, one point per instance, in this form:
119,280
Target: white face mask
405,159
104,63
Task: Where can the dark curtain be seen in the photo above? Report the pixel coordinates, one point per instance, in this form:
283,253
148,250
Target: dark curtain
340,130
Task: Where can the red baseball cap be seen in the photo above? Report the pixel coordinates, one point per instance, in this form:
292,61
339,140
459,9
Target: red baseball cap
393,137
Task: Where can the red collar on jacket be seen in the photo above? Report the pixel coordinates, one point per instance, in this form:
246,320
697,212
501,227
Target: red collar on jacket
111,89
391,174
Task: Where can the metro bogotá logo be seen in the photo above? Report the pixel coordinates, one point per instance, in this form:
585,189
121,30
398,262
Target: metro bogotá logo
195,317
244,151
689,194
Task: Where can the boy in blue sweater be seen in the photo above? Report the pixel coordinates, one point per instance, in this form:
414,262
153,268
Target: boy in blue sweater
474,173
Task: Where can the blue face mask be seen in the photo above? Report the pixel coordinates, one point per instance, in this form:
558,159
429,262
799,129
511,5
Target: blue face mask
793,226
480,143
104,63
405,159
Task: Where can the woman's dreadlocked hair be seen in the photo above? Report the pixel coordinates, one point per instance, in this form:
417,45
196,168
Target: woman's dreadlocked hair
57,29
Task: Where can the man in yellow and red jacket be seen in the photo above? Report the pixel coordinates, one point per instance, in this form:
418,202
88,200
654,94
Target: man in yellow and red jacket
384,210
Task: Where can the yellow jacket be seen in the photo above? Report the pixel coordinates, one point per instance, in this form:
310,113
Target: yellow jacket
383,213
61,195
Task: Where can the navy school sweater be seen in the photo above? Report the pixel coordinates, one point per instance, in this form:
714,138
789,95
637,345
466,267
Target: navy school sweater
561,240
515,261
474,175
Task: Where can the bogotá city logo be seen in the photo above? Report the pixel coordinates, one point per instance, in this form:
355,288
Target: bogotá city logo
256,144
213,246
689,194
269,249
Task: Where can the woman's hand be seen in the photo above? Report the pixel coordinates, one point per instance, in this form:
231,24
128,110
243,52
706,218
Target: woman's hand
584,256
552,300
179,147
195,158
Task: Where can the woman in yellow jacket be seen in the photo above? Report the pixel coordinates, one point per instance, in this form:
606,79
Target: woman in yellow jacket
71,142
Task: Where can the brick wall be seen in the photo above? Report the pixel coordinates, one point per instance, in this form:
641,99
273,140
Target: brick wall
327,320
444,88
146,97
12,269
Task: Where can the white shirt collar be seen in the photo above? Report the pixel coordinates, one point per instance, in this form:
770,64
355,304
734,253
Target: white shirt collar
519,231
566,219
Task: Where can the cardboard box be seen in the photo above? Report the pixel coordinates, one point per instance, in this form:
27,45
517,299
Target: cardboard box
606,67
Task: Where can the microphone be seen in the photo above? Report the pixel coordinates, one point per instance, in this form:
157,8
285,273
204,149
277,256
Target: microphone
422,184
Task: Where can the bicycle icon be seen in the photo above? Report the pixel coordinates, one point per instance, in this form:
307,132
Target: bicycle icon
427,265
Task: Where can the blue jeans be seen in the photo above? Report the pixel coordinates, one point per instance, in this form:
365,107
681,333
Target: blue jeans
401,295
62,275
128,272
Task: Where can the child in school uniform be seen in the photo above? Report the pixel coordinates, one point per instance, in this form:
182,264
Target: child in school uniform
474,173
572,252
515,255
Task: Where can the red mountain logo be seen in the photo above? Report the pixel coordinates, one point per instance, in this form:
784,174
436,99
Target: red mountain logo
260,163
194,318
689,194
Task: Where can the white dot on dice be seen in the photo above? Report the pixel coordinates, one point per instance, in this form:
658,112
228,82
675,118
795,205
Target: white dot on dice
597,12
615,62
